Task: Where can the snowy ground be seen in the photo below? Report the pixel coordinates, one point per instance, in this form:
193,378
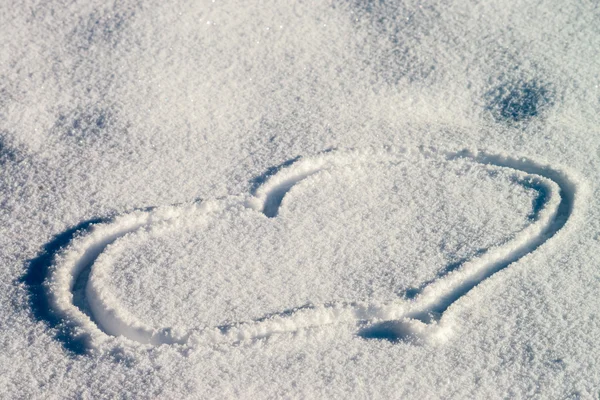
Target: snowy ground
344,199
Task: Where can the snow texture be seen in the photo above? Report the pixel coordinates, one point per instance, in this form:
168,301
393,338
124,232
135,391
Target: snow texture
344,199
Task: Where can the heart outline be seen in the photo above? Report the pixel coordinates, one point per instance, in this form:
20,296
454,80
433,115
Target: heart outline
565,188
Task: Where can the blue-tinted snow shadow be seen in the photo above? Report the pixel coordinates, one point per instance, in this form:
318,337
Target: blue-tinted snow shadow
391,331
261,179
37,272
275,197
519,102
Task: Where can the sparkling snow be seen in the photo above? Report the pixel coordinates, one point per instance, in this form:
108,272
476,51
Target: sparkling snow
344,199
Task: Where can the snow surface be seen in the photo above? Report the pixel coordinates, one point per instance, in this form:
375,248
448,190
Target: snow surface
344,199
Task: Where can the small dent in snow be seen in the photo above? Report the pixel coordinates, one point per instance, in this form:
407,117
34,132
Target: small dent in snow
520,101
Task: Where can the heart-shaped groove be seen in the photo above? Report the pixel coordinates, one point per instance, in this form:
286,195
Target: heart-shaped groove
422,317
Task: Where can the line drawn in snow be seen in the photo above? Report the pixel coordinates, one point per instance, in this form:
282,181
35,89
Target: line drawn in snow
64,281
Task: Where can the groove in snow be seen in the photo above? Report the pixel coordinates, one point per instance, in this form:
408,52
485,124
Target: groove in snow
423,317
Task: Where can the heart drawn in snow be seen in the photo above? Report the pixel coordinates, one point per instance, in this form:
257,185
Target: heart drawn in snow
384,239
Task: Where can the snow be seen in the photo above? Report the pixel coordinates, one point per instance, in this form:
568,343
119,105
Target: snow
299,200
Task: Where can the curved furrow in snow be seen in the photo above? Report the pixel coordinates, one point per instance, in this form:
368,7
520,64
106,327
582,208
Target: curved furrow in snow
423,316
